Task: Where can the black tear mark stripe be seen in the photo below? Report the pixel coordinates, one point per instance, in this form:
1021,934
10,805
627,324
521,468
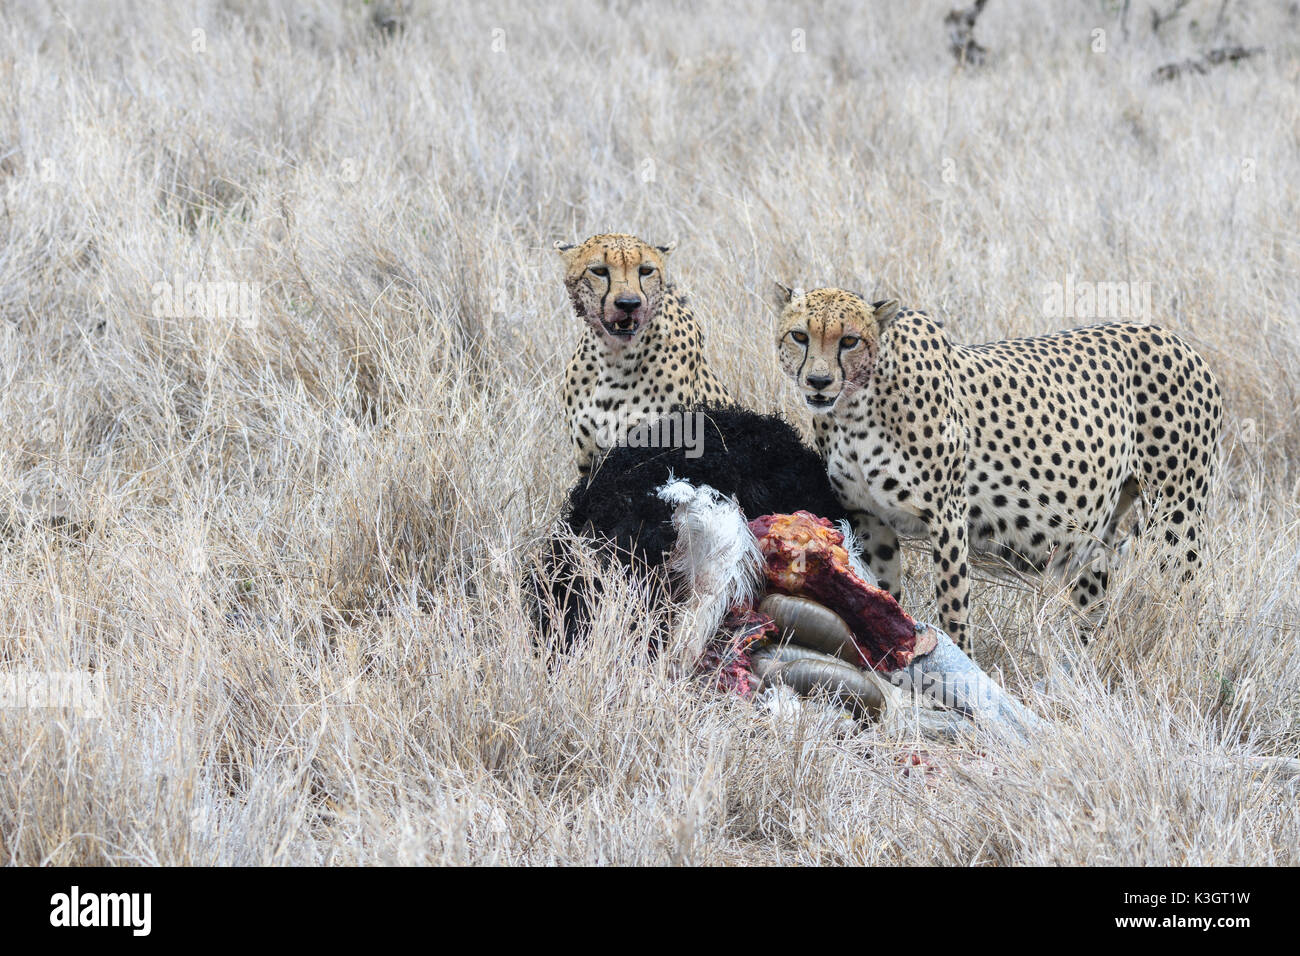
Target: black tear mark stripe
798,377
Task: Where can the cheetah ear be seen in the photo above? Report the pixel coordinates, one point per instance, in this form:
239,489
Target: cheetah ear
886,312
785,294
566,249
667,248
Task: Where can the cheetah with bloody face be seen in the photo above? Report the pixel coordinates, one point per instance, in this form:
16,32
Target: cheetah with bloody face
642,352
1032,448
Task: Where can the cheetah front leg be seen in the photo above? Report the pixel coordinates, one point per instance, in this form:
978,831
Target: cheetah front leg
880,551
1088,592
950,549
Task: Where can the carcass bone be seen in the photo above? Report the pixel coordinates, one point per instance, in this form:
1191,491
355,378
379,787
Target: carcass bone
947,677
943,675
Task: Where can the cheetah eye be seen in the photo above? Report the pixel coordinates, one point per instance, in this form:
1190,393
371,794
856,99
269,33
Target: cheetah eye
799,337
849,342
647,270
601,271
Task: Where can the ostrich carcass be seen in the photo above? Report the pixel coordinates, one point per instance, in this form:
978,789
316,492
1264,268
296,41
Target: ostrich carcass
769,590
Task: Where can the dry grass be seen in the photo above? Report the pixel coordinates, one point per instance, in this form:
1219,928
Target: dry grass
291,545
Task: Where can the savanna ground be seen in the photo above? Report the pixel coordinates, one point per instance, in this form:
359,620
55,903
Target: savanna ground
290,540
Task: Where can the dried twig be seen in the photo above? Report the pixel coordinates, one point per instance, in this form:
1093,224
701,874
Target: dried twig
961,34
1215,57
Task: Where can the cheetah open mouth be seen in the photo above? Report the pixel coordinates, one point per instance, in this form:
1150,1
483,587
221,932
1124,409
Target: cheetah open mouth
820,401
623,327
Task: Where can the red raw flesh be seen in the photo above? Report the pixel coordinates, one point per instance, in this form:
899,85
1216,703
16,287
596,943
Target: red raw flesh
730,661
806,556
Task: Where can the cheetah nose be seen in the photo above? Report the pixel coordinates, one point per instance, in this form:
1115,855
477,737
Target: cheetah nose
628,303
819,381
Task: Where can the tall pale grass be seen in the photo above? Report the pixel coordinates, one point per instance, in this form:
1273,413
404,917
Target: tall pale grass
291,542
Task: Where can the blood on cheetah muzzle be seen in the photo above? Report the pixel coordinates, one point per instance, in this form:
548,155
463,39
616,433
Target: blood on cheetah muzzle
624,327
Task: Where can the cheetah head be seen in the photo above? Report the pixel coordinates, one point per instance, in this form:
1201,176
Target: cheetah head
828,340
616,282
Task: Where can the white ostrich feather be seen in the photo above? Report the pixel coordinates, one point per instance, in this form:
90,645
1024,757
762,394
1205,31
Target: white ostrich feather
716,556
854,548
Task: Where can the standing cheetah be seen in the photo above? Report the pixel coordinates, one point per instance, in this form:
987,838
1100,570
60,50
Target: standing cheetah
641,353
1032,448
